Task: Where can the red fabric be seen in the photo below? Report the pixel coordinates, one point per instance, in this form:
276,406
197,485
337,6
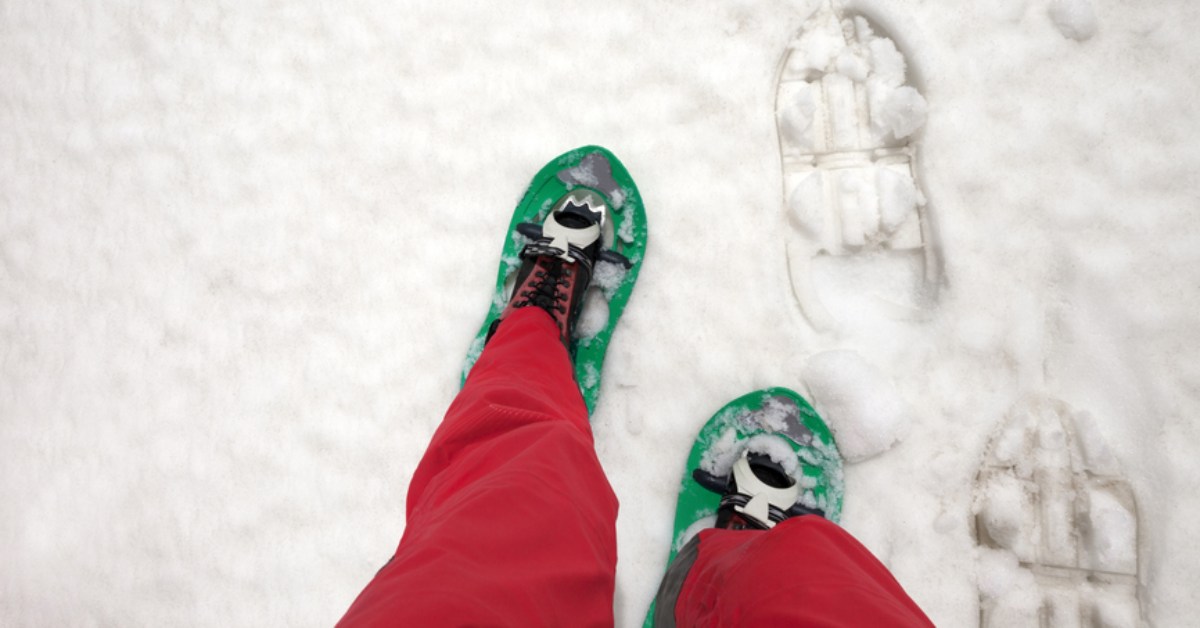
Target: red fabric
510,518
804,572
511,521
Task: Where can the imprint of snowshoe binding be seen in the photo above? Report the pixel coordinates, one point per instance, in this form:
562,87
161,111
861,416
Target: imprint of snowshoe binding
1056,525
855,212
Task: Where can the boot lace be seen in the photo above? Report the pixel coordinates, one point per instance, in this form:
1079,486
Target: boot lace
546,291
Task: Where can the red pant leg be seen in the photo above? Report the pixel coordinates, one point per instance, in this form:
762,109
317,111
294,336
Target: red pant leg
804,572
510,518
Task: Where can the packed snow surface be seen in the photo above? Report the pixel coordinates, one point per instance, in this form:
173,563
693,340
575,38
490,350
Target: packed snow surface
244,247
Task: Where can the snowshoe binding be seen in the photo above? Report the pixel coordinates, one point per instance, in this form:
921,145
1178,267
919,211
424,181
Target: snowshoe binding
763,458
757,494
574,248
558,262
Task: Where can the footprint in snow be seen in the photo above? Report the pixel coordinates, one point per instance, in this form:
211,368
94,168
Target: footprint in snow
859,230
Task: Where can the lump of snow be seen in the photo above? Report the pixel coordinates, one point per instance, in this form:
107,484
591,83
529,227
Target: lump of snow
797,116
807,205
859,206
840,95
852,66
775,448
1075,19
625,231
821,42
1097,457
1012,591
584,174
858,402
608,276
1110,533
900,111
1115,611
702,523
887,64
773,415
617,198
1003,512
718,458
897,198
473,353
998,572
590,376
594,316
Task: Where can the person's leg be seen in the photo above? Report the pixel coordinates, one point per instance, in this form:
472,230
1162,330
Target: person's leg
510,519
805,571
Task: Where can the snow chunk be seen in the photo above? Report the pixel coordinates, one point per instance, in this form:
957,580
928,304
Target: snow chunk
773,415
897,198
594,317
998,572
887,64
1013,591
625,231
852,66
901,111
1115,612
1110,533
702,523
1003,511
858,402
840,95
584,174
473,353
859,207
798,114
775,448
719,457
1097,456
608,277
591,376
1075,19
807,205
617,198
821,42
511,266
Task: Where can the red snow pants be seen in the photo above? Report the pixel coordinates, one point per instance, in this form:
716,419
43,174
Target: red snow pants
511,522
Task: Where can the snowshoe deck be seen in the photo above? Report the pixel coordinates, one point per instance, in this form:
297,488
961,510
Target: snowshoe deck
762,420
613,277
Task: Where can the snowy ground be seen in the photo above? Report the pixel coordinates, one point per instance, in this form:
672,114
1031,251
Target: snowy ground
244,246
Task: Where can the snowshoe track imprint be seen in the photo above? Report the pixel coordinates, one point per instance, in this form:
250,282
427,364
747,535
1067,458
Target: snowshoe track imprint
846,117
1056,525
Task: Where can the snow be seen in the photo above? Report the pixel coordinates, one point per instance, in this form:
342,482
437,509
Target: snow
900,112
594,316
608,277
777,450
1112,533
806,202
245,246
1074,18
798,116
861,407
897,198
718,459
1001,516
